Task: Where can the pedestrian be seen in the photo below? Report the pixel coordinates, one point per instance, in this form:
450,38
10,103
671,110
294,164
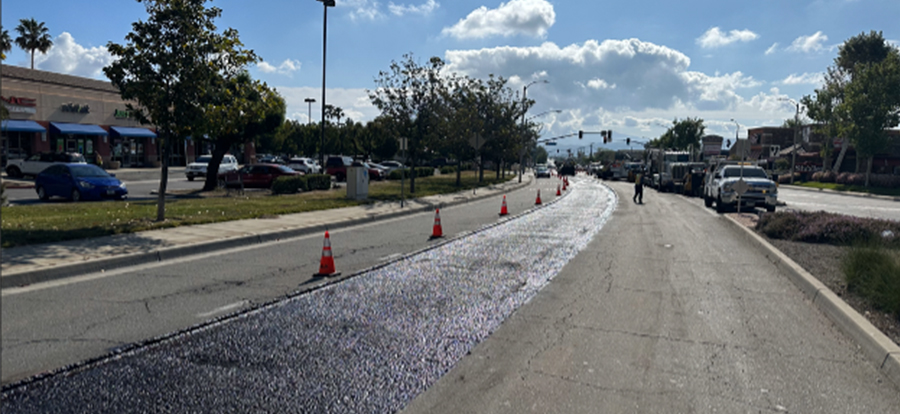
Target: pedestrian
99,160
638,188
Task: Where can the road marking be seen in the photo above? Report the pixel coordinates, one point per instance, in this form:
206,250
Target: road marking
390,257
222,309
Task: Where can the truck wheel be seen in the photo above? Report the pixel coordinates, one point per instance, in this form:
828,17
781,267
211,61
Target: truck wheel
770,209
14,172
707,201
720,208
190,178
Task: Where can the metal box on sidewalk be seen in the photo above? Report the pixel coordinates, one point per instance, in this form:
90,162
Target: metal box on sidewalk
357,183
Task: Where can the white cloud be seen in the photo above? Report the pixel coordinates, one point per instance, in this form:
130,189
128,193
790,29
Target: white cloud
425,9
517,17
772,49
67,56
804,79
287,67
808,44
361,9
600,84
715,37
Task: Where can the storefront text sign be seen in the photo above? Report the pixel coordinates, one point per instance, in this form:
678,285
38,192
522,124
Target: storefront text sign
122,114
18,104
76,108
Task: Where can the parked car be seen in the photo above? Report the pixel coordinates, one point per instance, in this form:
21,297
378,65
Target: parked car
759,190
384,170
336,166
198,167
393,165
270,159
256,175
78,181
305,165
36,163
374,173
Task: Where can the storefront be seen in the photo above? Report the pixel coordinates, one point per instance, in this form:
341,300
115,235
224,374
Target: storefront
17,136
132,147
80,138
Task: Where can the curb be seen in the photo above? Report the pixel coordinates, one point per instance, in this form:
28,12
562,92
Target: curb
10,280
845,193
881,350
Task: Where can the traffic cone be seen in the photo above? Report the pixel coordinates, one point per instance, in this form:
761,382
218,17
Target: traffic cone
557,191
437,232
503,210
564,186
326,265
537,202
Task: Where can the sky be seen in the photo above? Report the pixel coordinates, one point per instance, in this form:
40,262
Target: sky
627,66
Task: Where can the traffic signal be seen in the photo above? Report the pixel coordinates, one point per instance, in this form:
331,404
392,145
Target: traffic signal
627,141
557,150
728,143
603,134
609,135
580,134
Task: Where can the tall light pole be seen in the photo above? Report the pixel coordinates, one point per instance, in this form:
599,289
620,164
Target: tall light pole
522,150
310,102
534,150
796,133
326,4
743,158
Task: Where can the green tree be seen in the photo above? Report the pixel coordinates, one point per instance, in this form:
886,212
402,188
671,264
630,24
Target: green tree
407,94
682,135
242,109
541,155
820,108
169,67
33,36
5,44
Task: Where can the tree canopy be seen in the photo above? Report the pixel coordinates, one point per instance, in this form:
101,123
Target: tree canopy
33,36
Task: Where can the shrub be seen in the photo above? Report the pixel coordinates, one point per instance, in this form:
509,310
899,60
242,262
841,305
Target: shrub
786,178
874,274
884,180
424,171
847,178
317,182
289,185
396,174
782,164
448,169
830,228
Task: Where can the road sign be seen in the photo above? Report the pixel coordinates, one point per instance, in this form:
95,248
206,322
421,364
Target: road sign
476,141
403,144
740,187
550,144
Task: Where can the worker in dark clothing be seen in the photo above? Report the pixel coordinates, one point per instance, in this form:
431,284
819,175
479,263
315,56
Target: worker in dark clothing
638,188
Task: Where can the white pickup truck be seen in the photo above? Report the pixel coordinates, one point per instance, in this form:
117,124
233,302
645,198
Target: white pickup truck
723,186
36,163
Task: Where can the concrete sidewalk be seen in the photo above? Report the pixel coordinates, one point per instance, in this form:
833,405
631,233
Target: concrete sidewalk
27,265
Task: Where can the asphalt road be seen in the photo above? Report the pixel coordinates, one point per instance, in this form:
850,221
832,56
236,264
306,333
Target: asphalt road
839,203
44,328
137,190
665,311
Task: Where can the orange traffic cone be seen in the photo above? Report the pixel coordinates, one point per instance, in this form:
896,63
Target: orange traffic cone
538,201
437,232
557,191
503,210
326,266
564,186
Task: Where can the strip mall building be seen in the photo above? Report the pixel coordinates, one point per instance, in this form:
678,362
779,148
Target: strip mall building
52,112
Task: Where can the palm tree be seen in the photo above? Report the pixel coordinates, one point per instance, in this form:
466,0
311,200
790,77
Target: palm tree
5,44
33,36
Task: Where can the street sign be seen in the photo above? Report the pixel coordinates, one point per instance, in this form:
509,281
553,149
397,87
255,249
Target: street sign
476,141
740,187
403,144
550,144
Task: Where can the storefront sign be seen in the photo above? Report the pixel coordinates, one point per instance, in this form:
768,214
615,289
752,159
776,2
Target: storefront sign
76,108
20,105
122,114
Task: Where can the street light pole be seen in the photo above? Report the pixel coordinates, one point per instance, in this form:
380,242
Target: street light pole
743,158
326,4
522,150
796,135
310,102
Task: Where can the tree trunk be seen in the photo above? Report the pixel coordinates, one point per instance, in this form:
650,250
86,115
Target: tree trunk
869,169
840,159
458,173
164,177
212,169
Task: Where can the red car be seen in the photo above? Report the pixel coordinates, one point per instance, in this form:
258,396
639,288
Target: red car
256,175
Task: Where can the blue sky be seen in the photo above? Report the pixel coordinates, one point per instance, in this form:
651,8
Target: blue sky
629,66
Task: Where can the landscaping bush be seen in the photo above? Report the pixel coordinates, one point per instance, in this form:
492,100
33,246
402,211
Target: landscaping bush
786,178
874,273
424,171
317,182
396,174
289,185
847,178
830,228
824,176
884,180
782,164
448,169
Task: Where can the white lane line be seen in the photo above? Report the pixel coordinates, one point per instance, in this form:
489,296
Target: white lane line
390,257
222,309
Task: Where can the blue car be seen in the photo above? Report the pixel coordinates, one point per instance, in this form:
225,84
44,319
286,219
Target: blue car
78,182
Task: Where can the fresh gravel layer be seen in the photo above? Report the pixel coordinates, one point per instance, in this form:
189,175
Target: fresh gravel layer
368,344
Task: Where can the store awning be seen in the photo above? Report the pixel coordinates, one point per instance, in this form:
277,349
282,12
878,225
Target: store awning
76,129
132,132
15,125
